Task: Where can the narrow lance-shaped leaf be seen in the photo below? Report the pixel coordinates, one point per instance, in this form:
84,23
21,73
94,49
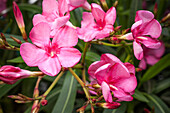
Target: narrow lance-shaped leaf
65,102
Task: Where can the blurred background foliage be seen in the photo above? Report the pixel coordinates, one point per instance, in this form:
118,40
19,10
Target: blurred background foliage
152,94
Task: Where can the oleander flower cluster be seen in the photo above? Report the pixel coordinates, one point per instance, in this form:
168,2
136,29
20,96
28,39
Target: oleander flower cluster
54,37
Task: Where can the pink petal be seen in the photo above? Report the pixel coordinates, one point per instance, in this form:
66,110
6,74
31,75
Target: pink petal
101,74
38,18
31,54
105,32
77,3
109,58
153,29
138,51
143,15
122,96
65,37
94,66
69,56
50,66
116,72
63,7
110,16
88,19
128,36
142,64
40,34
151,60
155,52
130,67
127,84
98,13
86,6
136,26
49,6
149,42
106,92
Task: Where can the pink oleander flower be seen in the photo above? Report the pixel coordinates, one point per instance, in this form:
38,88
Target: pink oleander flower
73,4
19,19
151,56
114,76
10,74
98,24
50,56
2,5
55,13
144,31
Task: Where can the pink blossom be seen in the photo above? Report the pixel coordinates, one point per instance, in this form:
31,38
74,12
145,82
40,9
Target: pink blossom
78,3
50,56
145,31
55,13
2,5
10,74
112,105
114,76
151,56
98,24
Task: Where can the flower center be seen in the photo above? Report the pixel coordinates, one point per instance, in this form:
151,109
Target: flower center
52,50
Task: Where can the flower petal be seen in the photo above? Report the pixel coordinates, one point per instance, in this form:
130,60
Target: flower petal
69,56
50,66
149,42
98,13
94,66
138,51
143,15
110,16
106,92
153,29
127,84
128,36
151,60
77,3
38,18
31,54
109,58
122,96
49,6
40,34
142,64
63,7
65,37
130,67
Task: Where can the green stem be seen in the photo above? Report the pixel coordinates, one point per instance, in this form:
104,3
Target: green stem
53,84
80,82
84,52
106,44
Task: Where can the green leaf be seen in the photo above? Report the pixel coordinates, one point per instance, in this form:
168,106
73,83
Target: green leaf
30,7
162,85
139,96
135,5
157,68
92,56
16,60
65,102
159,105
5,88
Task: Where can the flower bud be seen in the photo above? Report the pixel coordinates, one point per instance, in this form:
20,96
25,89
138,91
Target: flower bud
20,21
16,40
10,74
44,102
112,105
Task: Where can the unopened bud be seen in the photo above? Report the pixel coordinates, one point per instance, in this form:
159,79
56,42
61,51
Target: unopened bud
138,69
4,39
115,4
15,97
155,10
125,31
104,4
23,101
20,21
16,40
167,17
112,105
117,28
96,86
44,102
146,110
